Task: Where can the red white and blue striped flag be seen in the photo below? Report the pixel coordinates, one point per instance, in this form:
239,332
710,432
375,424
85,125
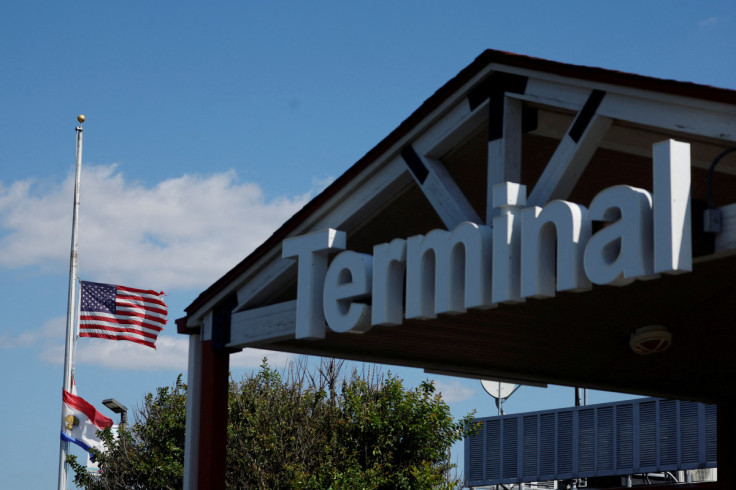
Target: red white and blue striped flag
115,312
81,421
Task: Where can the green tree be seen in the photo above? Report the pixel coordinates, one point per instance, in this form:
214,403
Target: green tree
150,454
311,429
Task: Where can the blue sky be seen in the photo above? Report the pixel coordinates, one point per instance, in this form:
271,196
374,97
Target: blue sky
210,124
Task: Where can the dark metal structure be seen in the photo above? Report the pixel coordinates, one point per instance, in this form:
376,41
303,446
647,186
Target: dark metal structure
646,435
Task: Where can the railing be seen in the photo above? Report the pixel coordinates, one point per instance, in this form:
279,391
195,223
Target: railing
638,436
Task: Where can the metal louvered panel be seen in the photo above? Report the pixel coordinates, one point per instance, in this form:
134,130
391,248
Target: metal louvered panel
510,449
586,442
668,441
530,446
605,441
648,436
564,443
493,452
689,433
644,435
547,446
625,437
475,457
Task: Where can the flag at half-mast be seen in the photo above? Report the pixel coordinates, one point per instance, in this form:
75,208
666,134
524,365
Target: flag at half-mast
81,421
113,312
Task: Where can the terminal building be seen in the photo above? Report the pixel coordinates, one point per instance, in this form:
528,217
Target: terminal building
526,207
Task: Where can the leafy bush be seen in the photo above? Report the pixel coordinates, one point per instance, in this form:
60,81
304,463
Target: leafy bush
318,429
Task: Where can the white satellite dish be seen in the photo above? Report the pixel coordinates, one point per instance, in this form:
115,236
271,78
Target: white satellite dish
497,389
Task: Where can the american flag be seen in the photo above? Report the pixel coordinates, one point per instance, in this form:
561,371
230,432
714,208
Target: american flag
115,312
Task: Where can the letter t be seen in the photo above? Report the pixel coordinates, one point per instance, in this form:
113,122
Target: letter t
311,252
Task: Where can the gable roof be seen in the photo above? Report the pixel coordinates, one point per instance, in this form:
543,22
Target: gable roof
377,199
485,59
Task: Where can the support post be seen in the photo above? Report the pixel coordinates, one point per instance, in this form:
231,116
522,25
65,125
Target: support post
213,417
194,395
214,374
726,455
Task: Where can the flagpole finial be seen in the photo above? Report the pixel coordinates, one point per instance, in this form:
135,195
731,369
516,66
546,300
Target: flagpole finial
81,118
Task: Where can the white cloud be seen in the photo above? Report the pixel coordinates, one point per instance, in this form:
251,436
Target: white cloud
253,358
183,232
24,339
48,341
172,352
453,390
713,21
51,332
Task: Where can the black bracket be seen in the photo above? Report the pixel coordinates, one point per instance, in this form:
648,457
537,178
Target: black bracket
221,322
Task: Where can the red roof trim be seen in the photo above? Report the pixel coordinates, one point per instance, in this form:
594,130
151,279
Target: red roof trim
685,89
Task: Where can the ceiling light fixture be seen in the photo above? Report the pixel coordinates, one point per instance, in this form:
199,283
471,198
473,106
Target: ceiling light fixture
650,339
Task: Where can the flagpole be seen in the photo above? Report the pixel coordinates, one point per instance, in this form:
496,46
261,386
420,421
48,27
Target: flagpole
73,264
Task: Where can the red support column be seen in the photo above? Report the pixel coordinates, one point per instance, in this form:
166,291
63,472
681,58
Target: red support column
213,418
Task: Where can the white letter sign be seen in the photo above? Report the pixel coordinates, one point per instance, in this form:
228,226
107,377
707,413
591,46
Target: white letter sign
530,252
311,252
348,278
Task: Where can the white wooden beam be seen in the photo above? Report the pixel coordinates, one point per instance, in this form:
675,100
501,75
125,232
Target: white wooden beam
440,189
560,94
265,324
452,129
206,326
670,116
504,147
657,110
572,154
